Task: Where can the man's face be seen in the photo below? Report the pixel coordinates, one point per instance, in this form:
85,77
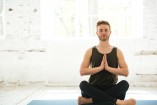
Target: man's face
103,32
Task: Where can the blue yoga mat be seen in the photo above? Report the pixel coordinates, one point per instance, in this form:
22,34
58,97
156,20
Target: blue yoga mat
146,102
53,102
74,102
61,102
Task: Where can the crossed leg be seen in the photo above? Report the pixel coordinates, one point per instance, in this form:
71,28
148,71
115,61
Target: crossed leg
115,95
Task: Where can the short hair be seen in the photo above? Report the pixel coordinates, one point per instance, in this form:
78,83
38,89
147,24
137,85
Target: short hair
103,22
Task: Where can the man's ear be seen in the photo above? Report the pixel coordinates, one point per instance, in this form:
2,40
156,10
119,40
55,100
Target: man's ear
110,32
97,32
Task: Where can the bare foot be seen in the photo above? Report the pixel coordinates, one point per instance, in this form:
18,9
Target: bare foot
83,100
126,102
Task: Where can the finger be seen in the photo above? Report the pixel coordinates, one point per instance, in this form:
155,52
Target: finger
105,57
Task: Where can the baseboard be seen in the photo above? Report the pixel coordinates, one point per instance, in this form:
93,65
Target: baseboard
144,84
60,85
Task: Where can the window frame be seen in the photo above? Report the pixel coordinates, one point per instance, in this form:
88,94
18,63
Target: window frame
135,31
1,20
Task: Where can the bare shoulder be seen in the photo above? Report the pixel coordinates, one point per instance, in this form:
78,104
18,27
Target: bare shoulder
86,59
119,52
88,52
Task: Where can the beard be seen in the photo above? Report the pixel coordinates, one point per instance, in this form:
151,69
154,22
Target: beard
101,38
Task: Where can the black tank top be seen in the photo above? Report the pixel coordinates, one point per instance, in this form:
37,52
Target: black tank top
103,77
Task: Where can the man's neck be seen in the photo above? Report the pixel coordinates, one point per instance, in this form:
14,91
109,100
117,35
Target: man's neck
104,44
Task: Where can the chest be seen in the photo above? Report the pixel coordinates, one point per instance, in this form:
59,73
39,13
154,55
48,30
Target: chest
105,50
97,57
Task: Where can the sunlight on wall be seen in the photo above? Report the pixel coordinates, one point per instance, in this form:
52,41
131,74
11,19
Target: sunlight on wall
1,20
77,18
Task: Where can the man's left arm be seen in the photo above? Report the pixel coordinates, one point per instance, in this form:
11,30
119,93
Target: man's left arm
122,69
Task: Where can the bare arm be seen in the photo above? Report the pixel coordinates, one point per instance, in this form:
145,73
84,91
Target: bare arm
84,68
123,68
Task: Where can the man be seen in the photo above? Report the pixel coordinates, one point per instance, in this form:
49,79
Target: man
104,63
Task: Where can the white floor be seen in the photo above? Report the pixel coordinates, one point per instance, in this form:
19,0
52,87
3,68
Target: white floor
22,95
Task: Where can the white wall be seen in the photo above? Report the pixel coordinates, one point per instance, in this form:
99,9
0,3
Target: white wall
25,58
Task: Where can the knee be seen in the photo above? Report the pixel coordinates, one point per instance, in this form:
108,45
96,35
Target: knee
125,84
83,84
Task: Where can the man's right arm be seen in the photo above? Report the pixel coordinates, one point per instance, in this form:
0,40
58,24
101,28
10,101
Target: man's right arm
85,69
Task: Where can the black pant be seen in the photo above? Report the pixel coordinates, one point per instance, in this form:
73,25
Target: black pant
104,94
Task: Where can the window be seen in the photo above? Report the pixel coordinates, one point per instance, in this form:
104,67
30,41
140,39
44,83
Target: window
77,18
1,20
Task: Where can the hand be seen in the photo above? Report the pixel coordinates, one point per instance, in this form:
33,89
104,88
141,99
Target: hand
102,66
106,63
